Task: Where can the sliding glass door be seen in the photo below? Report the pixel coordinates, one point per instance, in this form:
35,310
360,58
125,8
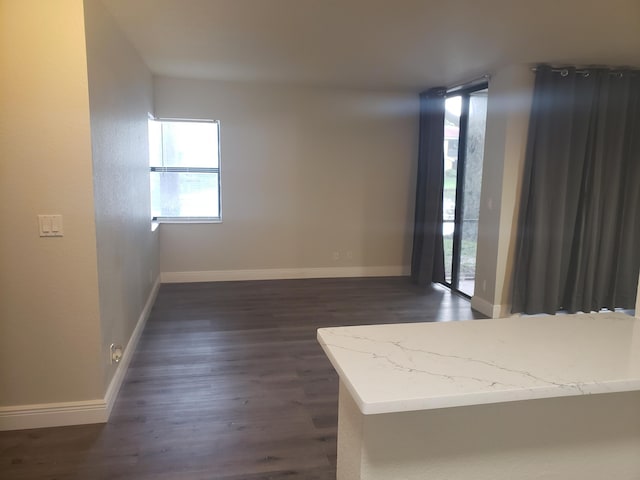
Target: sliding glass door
464,132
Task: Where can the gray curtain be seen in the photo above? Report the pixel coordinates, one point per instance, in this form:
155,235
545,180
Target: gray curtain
427,261
579,232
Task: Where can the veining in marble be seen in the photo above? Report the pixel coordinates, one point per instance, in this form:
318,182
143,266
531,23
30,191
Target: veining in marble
404,367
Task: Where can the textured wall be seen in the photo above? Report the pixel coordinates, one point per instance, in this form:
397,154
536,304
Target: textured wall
120,101
305,172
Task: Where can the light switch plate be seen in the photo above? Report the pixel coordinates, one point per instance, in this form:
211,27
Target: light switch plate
50,225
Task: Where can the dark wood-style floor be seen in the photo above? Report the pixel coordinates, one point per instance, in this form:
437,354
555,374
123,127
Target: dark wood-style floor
228,383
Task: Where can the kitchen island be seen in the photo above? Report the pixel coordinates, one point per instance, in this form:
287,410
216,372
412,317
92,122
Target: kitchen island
520,398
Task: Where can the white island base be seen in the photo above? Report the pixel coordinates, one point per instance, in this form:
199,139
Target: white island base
413,405
593,437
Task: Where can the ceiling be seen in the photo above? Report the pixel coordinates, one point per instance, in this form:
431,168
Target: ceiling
391,44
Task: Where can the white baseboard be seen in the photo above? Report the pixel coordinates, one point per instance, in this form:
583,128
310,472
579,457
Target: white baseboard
489,309
22,417
282,274
118,377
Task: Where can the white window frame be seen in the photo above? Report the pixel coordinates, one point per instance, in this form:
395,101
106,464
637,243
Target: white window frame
203,170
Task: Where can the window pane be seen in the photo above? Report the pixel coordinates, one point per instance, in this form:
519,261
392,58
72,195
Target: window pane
184,194
189,144
471,193
451,139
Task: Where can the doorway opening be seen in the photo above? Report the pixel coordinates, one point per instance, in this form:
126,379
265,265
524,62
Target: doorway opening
464,133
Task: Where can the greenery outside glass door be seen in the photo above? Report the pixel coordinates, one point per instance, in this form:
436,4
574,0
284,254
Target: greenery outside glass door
464,133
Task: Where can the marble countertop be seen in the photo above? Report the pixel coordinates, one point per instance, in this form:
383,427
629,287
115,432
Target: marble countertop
420,366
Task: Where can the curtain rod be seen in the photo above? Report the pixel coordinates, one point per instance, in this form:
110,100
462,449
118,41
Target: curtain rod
468,83
582,71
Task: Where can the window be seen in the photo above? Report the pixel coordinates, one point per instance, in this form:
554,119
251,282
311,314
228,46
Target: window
184,157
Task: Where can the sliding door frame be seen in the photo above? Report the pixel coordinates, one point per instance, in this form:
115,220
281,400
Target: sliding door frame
465,94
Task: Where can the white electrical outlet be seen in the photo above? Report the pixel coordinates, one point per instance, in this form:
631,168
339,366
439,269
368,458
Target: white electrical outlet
115,353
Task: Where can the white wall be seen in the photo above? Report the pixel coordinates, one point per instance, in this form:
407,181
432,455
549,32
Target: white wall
306,172
509,104
49,313
120,97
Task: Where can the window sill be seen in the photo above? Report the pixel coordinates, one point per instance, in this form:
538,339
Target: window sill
186,221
